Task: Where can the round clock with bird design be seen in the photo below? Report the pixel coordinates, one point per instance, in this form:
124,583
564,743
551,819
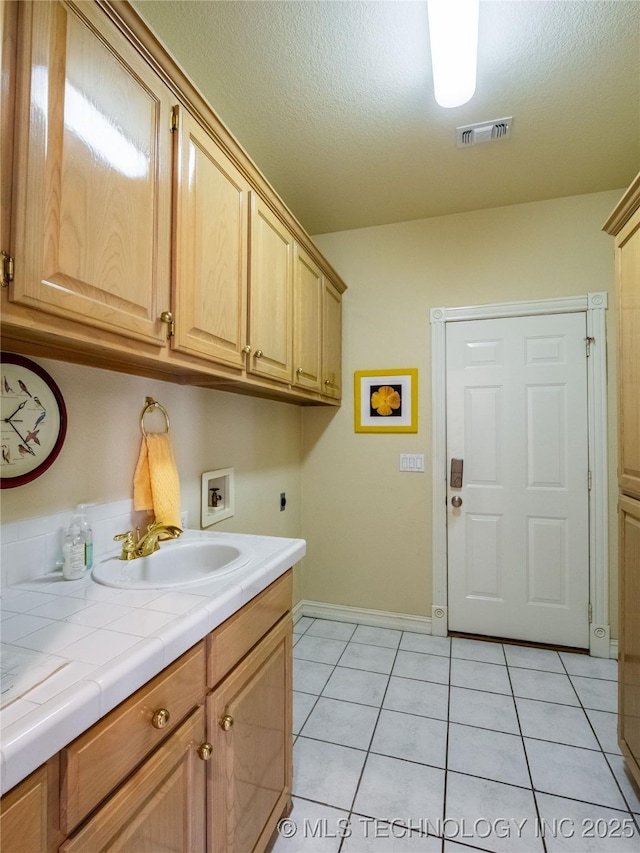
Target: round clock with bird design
33,420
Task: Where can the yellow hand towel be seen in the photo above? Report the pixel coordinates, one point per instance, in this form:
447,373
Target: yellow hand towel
156,485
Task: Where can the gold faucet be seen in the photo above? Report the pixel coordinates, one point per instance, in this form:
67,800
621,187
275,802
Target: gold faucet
134,545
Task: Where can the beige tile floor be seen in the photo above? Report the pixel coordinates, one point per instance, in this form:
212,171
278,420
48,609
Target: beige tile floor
406,742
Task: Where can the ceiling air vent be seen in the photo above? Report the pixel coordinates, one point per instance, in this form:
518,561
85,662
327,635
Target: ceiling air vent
484,131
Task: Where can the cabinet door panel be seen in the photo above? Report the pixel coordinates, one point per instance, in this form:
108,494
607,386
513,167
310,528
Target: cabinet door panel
628,259
307,321
211,249
270,294
160,807
332,342
629,652
251,764
93,186
24,818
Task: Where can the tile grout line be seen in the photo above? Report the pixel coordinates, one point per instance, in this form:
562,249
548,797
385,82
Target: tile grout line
373,734
524,750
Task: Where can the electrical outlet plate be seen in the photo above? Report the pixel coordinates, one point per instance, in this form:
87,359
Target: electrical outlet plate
223,480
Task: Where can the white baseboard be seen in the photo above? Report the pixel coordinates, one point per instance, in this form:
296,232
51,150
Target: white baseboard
362,616
378,618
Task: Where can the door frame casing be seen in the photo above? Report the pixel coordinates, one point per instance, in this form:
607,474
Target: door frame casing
594,305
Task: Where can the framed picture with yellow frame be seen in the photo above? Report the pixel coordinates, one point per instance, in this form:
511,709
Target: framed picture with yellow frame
386,400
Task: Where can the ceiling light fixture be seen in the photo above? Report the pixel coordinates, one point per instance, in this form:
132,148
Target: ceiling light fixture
453,33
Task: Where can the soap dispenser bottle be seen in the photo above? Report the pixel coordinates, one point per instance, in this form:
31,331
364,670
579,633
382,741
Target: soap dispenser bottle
73,552
87,535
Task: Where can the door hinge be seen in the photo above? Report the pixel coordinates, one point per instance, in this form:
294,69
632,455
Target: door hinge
6,273
173,123
590,613
589,341
589,480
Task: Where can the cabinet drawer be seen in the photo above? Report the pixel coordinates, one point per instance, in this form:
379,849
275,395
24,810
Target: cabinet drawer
124,737
229,643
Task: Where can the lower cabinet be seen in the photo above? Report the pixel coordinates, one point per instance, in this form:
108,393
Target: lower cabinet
28,821
629,640
249,720
199,759
160,807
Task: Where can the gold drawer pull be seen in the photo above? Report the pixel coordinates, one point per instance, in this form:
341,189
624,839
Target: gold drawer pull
226,722
160,718
205,750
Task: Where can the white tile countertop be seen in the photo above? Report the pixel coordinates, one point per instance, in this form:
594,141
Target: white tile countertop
73,650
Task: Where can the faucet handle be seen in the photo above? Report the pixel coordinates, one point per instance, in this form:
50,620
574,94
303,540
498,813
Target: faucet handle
129,544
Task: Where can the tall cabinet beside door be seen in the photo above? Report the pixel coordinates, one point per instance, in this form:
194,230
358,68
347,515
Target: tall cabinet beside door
624,225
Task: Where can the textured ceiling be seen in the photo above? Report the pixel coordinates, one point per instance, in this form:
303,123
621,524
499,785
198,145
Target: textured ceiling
333,101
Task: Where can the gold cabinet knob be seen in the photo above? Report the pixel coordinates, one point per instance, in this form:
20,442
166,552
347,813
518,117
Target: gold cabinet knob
160,718
327,382
226,722
246,348
259,353
205,750
299,371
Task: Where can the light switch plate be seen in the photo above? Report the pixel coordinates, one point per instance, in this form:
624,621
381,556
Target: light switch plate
412,462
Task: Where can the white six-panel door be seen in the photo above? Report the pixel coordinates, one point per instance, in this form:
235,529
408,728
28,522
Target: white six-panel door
518,545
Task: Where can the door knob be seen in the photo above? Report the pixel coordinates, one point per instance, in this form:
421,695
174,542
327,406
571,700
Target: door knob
456,501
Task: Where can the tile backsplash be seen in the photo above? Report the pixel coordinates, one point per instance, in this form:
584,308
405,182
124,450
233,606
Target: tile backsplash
33,546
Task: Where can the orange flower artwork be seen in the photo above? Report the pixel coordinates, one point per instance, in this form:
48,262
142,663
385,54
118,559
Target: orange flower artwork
385,400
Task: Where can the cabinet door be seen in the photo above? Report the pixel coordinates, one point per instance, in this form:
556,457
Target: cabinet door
307,341
249,725
628,261
629,651
160,807
93,199
270,294
331,342
26,813
211,248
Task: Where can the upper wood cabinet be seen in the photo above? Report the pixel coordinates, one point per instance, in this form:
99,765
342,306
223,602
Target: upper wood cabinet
141,235
307,339
93,174
331,341
211,248
628,269
270,294
317,338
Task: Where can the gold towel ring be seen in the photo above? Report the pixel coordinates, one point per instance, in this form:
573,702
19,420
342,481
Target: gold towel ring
150,404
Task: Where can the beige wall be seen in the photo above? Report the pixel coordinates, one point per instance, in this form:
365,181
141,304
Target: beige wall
368,526
211,429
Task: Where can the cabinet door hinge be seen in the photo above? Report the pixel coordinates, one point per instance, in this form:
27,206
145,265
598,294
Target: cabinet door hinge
589,341
173,123
589,480
6,272
590,613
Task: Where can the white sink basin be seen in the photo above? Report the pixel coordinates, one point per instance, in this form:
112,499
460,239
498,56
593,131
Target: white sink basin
193,558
